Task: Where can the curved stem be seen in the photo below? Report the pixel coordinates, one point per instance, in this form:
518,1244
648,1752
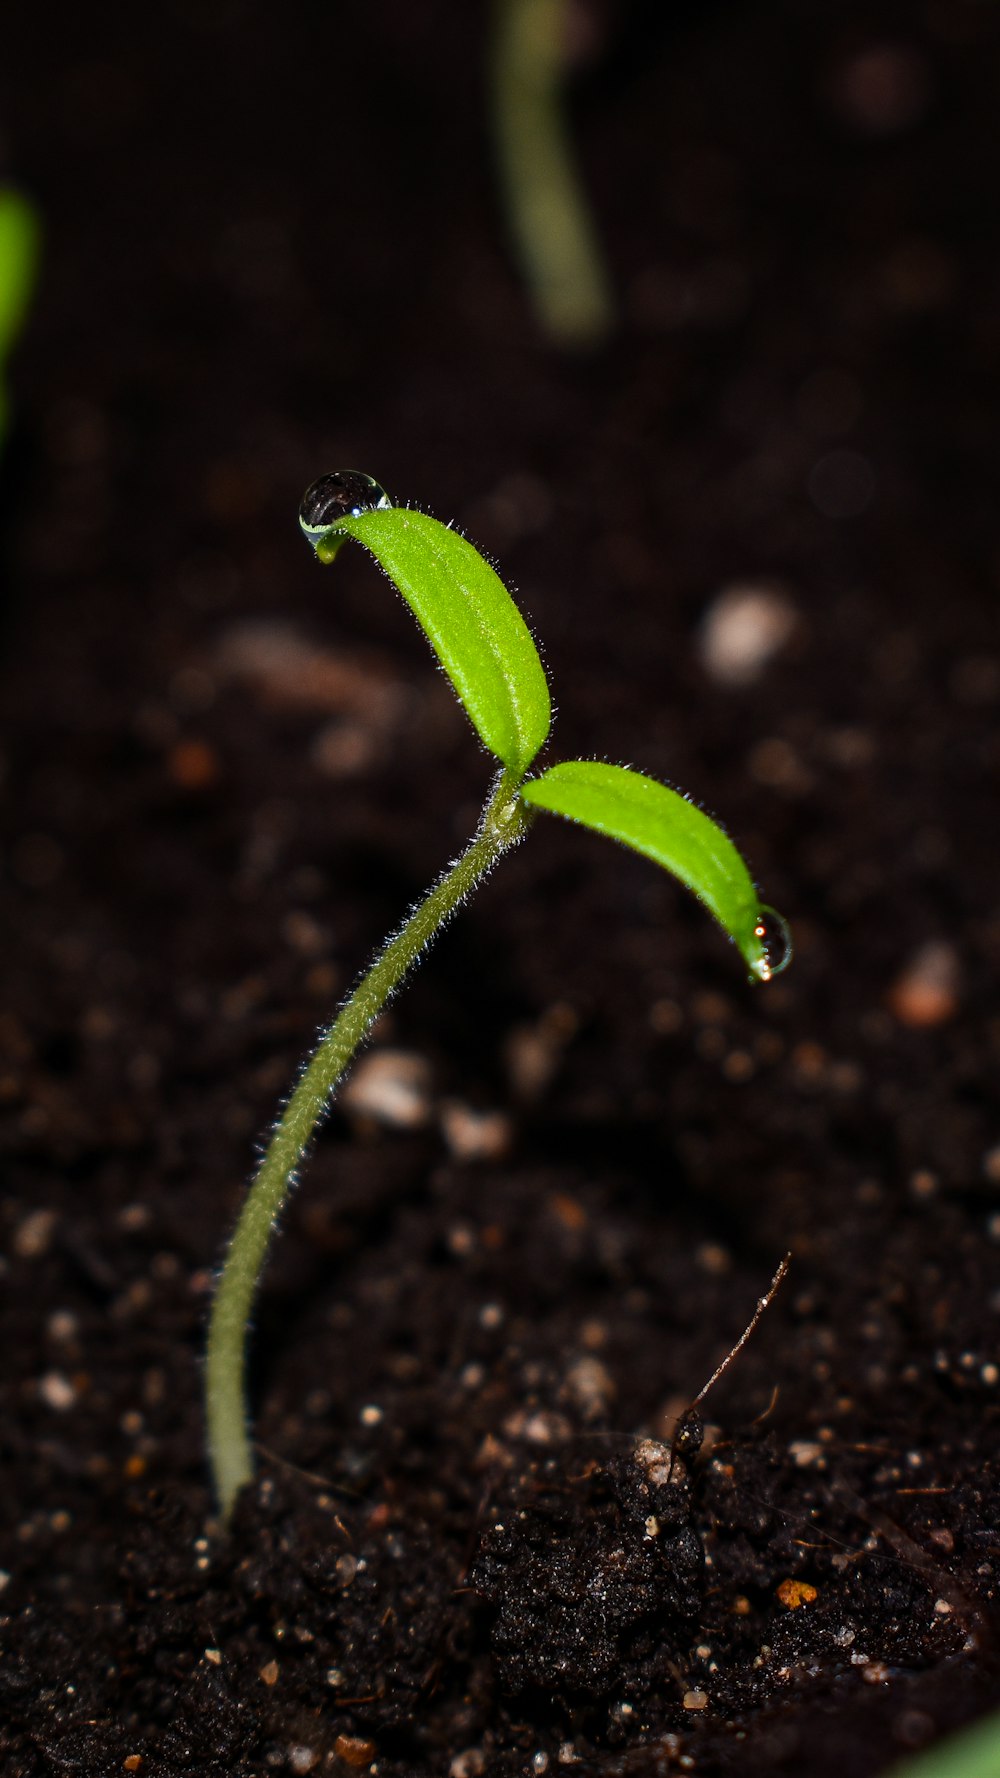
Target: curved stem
550,221
504,822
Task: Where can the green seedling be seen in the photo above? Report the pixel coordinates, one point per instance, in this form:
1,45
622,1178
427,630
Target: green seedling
19,237
550,223
972,1753
485,648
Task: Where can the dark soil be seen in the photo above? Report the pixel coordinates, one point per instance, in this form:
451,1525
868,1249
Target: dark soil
273,249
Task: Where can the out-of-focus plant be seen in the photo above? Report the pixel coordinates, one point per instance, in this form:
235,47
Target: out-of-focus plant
971,1753
19,241
547,211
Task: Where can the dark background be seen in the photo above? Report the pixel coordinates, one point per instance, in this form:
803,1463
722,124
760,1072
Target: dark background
273,246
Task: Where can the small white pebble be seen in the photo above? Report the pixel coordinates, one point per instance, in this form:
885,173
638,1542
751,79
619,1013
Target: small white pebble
942,1608
213,1655
33,1237
4,1579
467,1764
371,1415
475,1135
391,1086
805,1453
335,1676
346,1568
926,991
303,1759
539,1428
57,1391
742,629
696,1700
590,1386
655,1458
990,1374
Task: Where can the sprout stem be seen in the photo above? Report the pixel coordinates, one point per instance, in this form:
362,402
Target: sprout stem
504,822
549,219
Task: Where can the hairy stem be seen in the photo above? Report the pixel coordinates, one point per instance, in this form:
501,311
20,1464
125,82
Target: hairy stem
504,822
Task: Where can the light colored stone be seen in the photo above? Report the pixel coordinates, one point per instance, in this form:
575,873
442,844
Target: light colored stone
590,1387
57,1391
743,628
33,1237
391,1086
474,1135
925,993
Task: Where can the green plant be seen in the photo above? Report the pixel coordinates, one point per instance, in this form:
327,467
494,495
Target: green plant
550,223
485,647
19,236
973,1752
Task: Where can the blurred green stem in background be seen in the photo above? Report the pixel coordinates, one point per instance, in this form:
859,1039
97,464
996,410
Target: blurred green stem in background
971,1753
550,223
19,239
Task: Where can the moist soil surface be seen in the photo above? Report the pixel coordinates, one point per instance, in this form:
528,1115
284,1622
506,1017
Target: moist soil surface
273,248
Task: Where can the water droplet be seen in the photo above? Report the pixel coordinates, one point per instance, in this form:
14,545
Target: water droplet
774,936
343,494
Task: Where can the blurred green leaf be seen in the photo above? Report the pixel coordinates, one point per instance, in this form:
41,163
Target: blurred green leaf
19,239
972,1753
19,236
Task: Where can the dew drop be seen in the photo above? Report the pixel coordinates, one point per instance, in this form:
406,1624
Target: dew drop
773,934
343,494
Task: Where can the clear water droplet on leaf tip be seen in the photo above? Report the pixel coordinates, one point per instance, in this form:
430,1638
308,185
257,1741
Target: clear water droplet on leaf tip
342,494
774,934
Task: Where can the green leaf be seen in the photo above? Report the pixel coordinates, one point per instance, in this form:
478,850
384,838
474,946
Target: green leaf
972,1753
664,826
18,260
470,620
